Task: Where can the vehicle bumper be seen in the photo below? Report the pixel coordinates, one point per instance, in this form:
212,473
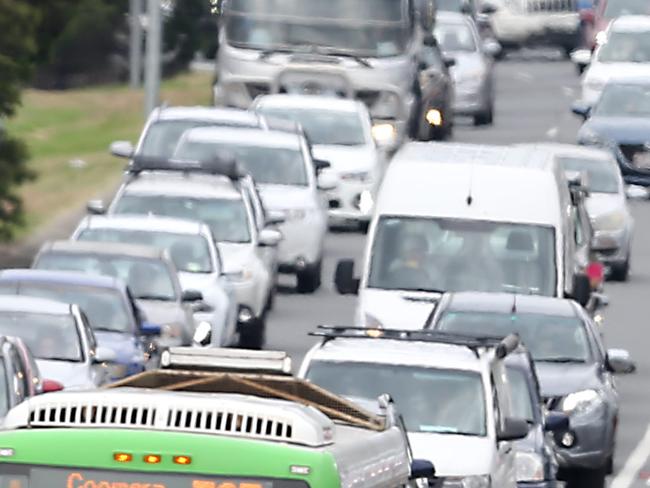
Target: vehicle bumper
611,248
591,448
302,243
470,101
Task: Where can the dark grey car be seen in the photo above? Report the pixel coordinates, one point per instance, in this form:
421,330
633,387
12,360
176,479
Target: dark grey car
574,369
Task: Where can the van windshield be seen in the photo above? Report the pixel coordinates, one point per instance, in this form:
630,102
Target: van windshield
424,254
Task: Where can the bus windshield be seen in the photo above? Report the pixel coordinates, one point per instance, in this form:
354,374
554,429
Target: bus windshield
366,27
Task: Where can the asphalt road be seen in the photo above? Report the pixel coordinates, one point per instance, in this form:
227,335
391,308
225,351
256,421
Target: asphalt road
534,92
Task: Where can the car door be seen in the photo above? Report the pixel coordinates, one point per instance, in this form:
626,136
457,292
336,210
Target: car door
268,254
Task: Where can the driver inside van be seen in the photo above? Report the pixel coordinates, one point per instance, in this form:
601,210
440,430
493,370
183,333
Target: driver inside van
474,267
409,271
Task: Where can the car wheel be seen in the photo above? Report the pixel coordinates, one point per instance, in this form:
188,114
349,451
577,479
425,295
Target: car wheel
309,280
252,336
621,271
270,301
486,117
587,478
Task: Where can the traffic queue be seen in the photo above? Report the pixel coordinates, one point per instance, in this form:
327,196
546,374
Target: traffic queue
132,354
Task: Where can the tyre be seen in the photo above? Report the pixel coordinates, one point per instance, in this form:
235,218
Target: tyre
587,478
270,301
253,335
309,280
486,117
620,271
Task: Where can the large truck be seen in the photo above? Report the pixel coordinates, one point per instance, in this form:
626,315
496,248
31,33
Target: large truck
362,49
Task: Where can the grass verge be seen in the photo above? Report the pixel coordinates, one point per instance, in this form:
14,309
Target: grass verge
68,134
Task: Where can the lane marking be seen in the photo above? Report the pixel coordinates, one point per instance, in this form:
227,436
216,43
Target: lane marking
629,474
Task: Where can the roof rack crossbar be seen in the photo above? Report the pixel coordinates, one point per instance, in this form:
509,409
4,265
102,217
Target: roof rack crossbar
222,166
502,345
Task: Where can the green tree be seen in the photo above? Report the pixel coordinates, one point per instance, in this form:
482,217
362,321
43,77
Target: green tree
17,26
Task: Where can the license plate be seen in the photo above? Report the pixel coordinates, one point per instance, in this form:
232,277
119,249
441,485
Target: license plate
642,159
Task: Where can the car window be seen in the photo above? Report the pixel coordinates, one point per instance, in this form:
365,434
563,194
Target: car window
19,374
90,335
4,389
455,37
522,400
431,400
602,175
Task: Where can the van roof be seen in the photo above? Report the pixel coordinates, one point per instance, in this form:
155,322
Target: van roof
472,182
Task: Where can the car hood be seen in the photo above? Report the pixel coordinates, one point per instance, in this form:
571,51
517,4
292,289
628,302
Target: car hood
160,313
347,159
604,203
443,449
71,375
467,66
621,130
235,256
284,197
124,345
561,379
396,309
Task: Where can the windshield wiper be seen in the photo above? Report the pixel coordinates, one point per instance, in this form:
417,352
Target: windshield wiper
332,51
159,298
105,329
561,360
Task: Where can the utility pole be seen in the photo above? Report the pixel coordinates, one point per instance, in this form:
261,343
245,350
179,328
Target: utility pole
153,56
135,47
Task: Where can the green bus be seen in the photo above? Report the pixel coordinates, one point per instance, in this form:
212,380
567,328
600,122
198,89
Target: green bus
188,427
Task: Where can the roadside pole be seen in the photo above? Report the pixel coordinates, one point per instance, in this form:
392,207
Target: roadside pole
153,56
135,43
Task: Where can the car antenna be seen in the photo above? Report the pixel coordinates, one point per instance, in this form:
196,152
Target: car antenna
513,311
470,198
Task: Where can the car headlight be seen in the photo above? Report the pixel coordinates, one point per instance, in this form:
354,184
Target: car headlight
530,466
117,370
240,276
610,222
482,481
582,403
384,134
358,176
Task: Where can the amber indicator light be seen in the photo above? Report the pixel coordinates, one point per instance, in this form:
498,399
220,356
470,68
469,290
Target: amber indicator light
122,457
183,460
152,459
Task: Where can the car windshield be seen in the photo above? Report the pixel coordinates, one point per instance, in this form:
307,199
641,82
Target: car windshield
624,101
323,127
431,400
625,47
4,389
549,337
423,254
520,394
50,337
602,175
451,5
616,8
455,37
189,252
267,165
147,278
105,308
365,27
227,218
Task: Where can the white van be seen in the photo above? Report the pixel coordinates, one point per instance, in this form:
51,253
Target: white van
459,217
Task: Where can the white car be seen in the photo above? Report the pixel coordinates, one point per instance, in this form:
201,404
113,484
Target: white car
282,168
340,132
230,206
193,252
625,53
453,395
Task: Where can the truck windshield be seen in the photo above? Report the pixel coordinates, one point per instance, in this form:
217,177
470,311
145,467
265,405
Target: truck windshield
424,254
431,400
44,477
377,28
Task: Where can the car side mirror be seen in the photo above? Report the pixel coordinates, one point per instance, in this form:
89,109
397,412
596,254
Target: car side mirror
122,149
422,469
581,57
344,280
513,429
203,334
327,182
104,355
269,238
148,329
492,47
620,362
51,386
556,422
96,207
275,217
321,164
449,61
191,296
488,8
581,109
581,292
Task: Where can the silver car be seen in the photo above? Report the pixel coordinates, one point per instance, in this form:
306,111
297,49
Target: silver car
472,72
148,271
60,338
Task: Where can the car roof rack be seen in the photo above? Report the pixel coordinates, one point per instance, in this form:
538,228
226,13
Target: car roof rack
502,345
222,359
222,166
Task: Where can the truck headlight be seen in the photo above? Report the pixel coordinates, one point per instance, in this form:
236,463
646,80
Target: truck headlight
480,481
610,222
582,403
530,466
384,134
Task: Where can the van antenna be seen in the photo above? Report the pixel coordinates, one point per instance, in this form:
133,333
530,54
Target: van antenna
470,198
514,305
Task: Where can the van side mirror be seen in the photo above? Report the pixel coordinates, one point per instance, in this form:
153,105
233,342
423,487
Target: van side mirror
422,469
513,429
449,61
122,149
96,207
344,280
556,422
269,238
191,296
581,292
620,362
321,164
581,109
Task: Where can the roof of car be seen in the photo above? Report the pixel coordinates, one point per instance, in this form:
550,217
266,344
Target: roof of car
63,277
250,137
386,351
178,184
17,303
106,248
227,116
314,102
145,223
557,148
507,302
631,23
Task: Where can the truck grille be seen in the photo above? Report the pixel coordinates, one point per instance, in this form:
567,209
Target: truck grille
551,6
